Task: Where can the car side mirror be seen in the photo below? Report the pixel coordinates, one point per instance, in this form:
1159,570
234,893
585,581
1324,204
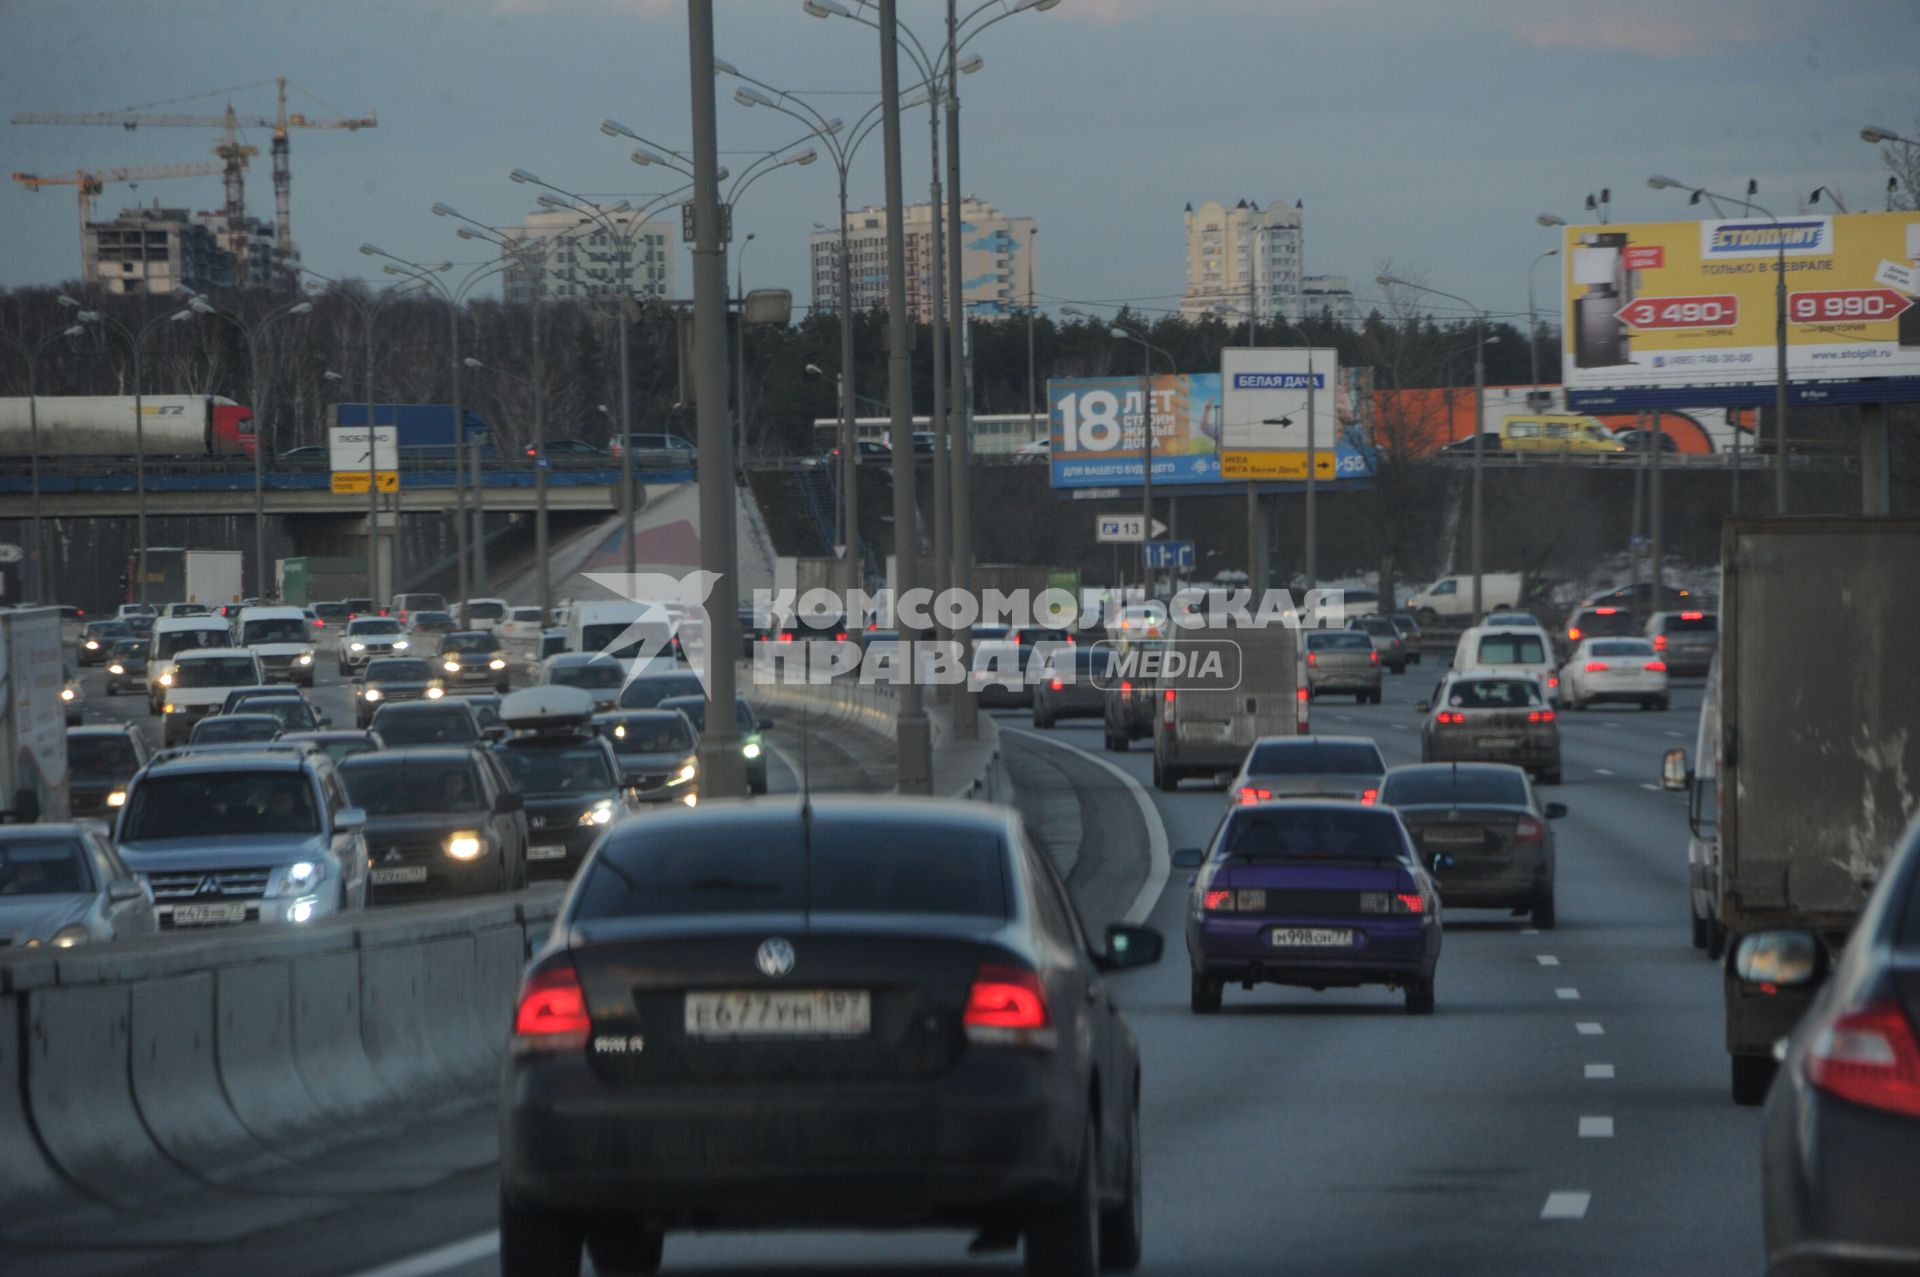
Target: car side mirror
1129,947
1441,861
509,801
1781,959
323,720
123,889
1423,706
1555,811
493,735
1674,772
1189,858
349,820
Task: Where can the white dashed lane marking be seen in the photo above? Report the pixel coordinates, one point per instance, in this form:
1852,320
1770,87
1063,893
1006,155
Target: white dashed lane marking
1596,1128
1567,995
1589,1029
1647,784
1604,771
1599,1071
1547,960
1566,1205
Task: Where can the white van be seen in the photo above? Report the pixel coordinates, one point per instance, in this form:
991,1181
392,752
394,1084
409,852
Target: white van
202,677
1511,649
1452,596
483,614
1703,813
599,626
281,638
1207,731
172,636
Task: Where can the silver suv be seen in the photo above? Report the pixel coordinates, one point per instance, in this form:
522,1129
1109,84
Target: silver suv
239,837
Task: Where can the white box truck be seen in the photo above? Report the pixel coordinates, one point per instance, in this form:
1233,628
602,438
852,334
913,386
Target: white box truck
33,727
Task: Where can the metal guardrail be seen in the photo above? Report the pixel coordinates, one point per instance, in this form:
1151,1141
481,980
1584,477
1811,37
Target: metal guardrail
176,474
1757,462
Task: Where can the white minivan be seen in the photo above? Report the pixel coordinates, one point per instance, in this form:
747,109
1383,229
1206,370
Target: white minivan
281,638
619,628
1510,649
1452,596
202,677
172,636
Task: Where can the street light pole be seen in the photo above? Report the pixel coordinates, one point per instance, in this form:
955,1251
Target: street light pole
1533,324
31,353
740,348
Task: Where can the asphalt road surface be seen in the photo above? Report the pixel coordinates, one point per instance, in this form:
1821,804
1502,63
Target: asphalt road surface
1564,1112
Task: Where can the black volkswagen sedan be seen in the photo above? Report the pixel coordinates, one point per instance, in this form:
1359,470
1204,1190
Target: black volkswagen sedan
862,1013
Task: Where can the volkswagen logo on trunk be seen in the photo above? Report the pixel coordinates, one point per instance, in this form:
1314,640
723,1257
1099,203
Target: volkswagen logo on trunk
775,957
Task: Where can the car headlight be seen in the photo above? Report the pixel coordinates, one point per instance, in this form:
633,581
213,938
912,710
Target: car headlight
302,911
684,775
166,680
399,645
435,692
93,645
169,708
118,798
464,844
751,749
296,879
116,668
496,664
371,693
67,693
451,667
305,658
691,800
356,647
70,935
601,813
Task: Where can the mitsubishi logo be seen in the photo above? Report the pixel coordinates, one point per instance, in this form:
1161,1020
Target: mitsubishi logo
393,854
775,957
209,886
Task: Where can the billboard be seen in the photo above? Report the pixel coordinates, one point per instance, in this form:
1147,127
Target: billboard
1095,430
1672,314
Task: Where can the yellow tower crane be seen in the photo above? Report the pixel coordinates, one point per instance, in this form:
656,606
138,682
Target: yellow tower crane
90,182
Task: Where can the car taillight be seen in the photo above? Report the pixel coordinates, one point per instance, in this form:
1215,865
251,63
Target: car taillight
1573,634
1596,667
1249,794
1605,611
1301,699
1693,616
1659,642
1409,902
785,637
1658,667
1553,680
1313,658
1126,687
1007,1006
1369,796
1868,1056
552,1015
1055,685
1219,901
1527,831
1449,716
1539,716
1373,658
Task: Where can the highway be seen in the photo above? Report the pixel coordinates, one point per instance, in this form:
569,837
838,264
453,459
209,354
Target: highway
1564,1112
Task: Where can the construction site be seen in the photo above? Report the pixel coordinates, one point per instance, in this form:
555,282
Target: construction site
159,248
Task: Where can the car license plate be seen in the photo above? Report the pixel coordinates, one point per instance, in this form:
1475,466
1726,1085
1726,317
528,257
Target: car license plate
547,851
402,873
208,915
804,1013
1453,837
1498,742
1207,731
1311,938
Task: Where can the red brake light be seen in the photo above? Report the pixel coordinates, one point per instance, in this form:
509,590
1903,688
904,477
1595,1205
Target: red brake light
1658,667
1573,634
840,636
1248,794
1539,716
1373,658
553,1011
1005,997
1868,1056
1605,611
1369,796
1126,687
1313,658
1055,685
1596,667
1450,716
1169,696
1409,902
1219,901
1016,638
1527,831
786,637
1693,616
1659,642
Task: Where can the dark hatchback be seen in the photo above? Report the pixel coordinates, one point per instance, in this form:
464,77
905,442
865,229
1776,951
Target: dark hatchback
437,824
1318,894
866,1013
443,722
571,781
1841,1137
656,752
1482,832
753,748
391,679
101,761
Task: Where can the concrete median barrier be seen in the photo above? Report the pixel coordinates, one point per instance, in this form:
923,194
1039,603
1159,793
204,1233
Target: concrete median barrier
326,1038
30,1185
176,1081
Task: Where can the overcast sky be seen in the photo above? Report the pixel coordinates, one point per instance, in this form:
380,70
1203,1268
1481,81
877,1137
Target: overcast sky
1424,132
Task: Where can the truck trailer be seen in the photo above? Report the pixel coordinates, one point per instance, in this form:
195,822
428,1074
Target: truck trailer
174,575
1816,701
104,426
425,429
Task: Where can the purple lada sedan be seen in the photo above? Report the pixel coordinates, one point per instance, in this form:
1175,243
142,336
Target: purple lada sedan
1320,894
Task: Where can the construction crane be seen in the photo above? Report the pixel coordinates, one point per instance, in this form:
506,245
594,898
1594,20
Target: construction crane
233,154
90,182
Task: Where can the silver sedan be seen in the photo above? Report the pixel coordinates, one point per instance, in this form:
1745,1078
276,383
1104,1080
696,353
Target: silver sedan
64,885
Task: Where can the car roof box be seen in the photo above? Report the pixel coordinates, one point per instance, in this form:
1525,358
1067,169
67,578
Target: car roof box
549,707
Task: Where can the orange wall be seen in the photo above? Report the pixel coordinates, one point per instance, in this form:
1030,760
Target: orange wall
1431,418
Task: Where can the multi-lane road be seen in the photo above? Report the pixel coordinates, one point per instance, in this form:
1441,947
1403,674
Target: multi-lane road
1564,1112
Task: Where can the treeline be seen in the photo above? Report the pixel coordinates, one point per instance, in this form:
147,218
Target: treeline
413,360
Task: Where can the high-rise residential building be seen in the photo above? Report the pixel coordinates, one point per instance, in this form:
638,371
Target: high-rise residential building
1330,295
579,257
1242,256
996,260
159,250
